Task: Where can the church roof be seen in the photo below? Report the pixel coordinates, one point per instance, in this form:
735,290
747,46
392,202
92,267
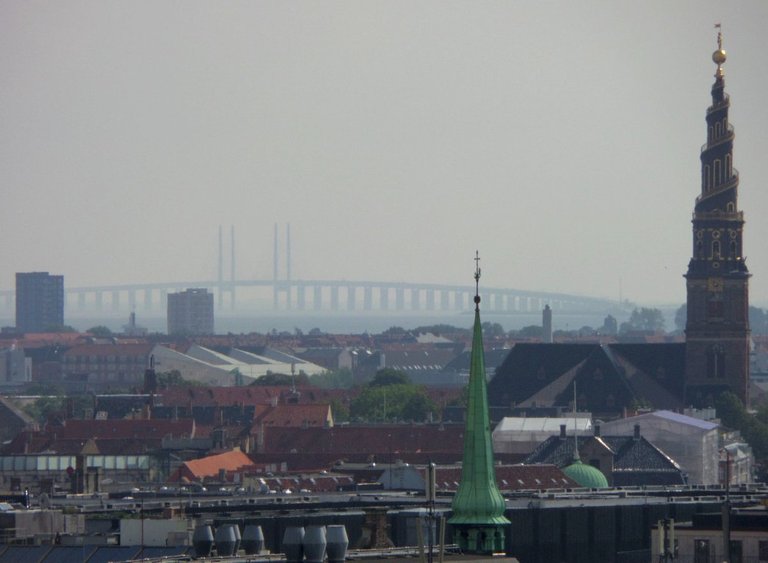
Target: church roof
609,377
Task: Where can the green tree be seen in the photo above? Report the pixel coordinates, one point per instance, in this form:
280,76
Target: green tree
339,410
60,328
530,331
332,379
439,329
389,376
418,408
492,330
388,404
282,380
100,331
60,405
644,319
174,378
733,414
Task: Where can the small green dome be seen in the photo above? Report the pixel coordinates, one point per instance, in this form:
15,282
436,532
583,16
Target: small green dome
586,475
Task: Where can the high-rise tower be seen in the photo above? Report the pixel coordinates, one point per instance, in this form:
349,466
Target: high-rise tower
39,302
717,281
478,507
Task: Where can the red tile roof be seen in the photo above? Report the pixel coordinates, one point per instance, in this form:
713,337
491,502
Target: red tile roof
381,441
111,436
198,469
295,416
247,395
102,350
511,477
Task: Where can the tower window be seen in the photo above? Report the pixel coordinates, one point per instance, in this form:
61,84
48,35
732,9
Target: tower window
716,362
715,249
707,177
718,172
730,207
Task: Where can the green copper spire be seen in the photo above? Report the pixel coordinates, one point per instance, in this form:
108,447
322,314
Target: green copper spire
478,507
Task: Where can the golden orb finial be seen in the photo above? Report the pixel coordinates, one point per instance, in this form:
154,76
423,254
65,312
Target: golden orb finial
719,56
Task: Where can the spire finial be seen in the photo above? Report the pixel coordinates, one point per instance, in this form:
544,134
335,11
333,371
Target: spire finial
719,56
477,280
575,427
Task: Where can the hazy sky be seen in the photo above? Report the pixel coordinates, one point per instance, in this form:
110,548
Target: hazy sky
559,138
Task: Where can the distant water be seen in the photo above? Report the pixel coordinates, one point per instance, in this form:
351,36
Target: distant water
341,322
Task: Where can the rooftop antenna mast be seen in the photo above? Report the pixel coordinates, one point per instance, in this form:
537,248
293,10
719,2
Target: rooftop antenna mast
575,426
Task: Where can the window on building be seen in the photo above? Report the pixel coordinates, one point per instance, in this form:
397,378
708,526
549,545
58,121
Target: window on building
701,551
716,362
715,249
762,550
736,556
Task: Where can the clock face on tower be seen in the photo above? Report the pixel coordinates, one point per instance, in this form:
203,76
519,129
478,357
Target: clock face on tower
715,285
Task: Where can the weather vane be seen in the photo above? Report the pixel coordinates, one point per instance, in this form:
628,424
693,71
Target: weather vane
719,56
477,278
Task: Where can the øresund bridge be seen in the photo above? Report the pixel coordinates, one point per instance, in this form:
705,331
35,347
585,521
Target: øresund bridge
283,293
317,295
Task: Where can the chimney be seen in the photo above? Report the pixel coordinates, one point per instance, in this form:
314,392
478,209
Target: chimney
597,430
562,431
637,432
546,323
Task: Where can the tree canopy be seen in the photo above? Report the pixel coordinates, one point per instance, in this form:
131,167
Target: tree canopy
389,376
754,428
391,397
100,331
391,403
333,379
644,319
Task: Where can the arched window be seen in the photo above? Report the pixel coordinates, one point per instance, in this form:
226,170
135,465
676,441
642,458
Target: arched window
718,172
715,249
734,249
718,129
716,362
727,165
707,177
730,207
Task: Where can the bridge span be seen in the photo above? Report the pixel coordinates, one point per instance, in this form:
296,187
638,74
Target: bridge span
317,295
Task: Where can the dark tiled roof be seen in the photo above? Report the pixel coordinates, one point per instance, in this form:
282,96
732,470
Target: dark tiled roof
493,359
321,447
635,461
248,395
609,378
297,416
110,436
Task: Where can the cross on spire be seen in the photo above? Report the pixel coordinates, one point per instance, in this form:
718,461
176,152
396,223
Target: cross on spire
477,280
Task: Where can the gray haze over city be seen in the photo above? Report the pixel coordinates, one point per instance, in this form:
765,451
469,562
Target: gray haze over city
561,139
